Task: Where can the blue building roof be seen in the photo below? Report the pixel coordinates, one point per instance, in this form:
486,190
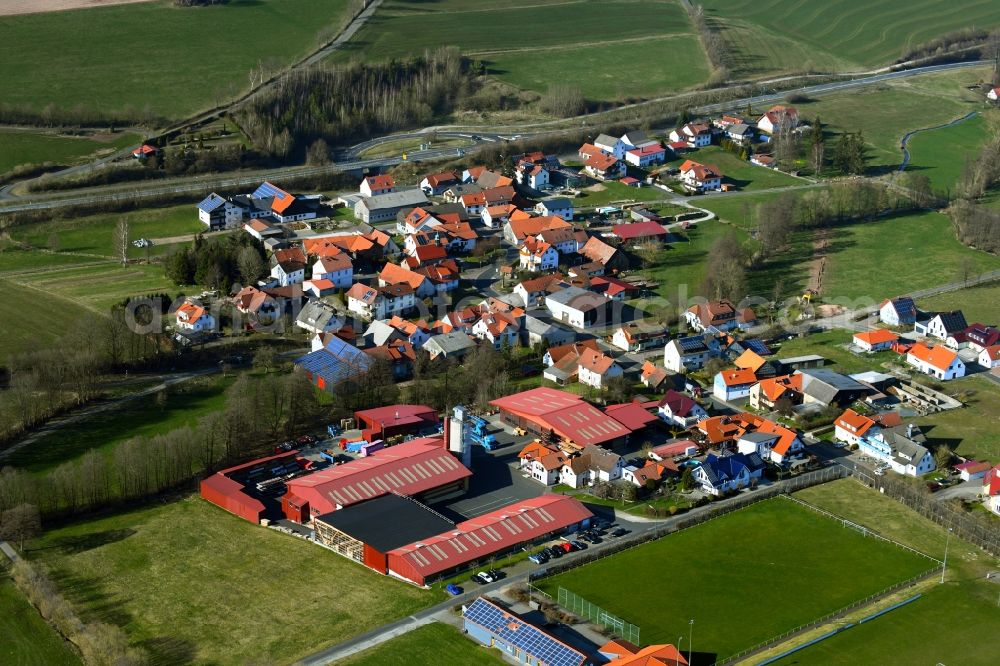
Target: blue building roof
337,362
720,470
511,629
211,202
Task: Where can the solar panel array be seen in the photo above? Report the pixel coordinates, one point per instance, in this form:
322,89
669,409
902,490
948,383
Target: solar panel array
269,190
511,629
691,344
211,202
757,347
338,361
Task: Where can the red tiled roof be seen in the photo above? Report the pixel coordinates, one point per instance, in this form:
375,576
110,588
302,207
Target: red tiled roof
639,230
701,171
939,356
568,415
876,336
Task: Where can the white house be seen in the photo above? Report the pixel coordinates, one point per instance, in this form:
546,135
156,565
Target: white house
536,255
700,177
900,447
216,213
380,302
733,384
646,155
879,339
776,443
942,325
595,369
593,465
497,329
192,316
696,135
990,357
777,118
338,269
993,94
288,272
318,317
603,166
898,312
531,175
577,307
937,361
688,353
991,489
679,409
720,475
542,463
560,207
375,185
435,184
610,145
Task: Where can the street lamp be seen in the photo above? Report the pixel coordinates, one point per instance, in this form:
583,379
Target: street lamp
690,639
944,563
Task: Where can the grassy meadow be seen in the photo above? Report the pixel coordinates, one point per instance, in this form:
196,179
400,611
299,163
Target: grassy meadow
747,552
25,638
39,146
972,430
980,304
736,172
435,643
17,334
529,43
790,35
154,58
941,154
191,583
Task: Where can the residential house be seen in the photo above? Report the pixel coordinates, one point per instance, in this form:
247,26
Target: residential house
609,145
771,441
990,357
564,239
217,213
653,376
717,316
454,344
261,307
763,160
647,155
535,176
694,135
993,94
634,338
610,258
898,312
516,229
593,465
700,177
689,353
384,207
976,337
595,369
318,317
778,118
416,220
971,470
612,288
261,230
885,438
145,151
603,167
942,325
495,217
435,184
623,653
937,361
338,269
542,462
542,332
498,328
767,393
562,363
380,302
740,133
678,409
875,340
533,292
398,354
733,384
374,185
536,255
577,307
192,316
558,207
991,489
419,282
720,475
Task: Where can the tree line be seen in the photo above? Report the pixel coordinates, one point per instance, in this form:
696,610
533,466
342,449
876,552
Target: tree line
218,263
977,225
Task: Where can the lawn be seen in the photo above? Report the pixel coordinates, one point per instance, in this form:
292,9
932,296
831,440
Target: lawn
192,583
776,562
554,41
972,430
613,192
94,234
829,344
154,57
39,146
16,260
739,173
98,288
872,261
18,334
436,643
855,32
950,620
140,417
941,154
25,638
980,304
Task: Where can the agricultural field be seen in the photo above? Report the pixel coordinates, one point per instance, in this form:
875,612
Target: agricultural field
39,146
525,33
748,550
980,304
966,596
25,638
191,583
435,643
737,172
99,287
18,334
140,417
941,154
850,35
972,430
153,58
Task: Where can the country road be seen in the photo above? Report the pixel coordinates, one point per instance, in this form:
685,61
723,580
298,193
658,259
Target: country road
350,162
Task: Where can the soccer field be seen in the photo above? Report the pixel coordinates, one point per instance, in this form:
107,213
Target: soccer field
743,578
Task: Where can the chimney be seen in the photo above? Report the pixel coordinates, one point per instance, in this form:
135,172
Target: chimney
909,430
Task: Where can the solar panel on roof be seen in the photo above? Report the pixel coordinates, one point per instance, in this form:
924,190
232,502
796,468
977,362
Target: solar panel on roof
515,631
690,344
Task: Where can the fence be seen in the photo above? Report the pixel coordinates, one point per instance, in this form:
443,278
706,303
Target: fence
594,613
860,603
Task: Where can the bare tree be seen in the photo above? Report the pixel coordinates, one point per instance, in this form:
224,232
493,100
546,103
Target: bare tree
121,240
20,523
251,264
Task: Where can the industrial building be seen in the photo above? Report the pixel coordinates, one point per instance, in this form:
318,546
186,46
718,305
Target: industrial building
393,420
244,489
542,411
495,626
421,468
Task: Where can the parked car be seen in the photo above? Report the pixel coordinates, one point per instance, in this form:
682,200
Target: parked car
556,551
578,545
453,590
540,557
567,547
484,577
619,532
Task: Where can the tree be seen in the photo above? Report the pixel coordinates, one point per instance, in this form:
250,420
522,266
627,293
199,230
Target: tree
726,270
20,523
120,240
251,264
943,456
264,358
179,267
850,155
687,479
318,153
714,366
784,406
563,100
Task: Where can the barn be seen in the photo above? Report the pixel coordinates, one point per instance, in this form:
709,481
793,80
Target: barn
393,420
421,468
545,410
236,489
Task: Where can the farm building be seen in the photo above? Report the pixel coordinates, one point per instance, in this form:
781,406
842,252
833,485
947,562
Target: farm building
544,410
420,468
236,489
392,420
336,362
495,626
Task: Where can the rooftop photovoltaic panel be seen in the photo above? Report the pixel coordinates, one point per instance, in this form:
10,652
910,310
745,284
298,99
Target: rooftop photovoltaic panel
511,629
691,344
211,202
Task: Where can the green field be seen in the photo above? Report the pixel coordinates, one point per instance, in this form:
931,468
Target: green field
191,583
941,154
829,345
972,430
141,417
535,43
980,304
25,638
853,32
154,57
945,626
769,568
18,334
15,260
614,192
739,173
99,287
438,644
681,269
37,147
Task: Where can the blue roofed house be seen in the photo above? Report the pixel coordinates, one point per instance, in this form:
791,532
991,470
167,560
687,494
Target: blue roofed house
496,627
718,475
337,362
217,212
898,312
